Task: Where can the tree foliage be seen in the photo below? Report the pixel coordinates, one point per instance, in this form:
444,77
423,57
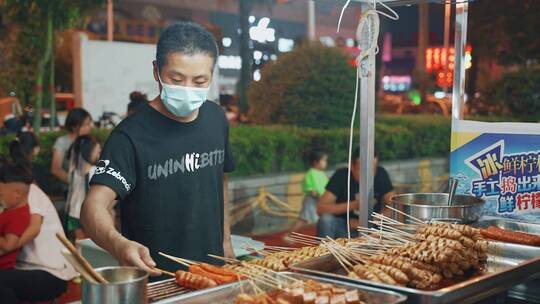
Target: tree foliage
505,30
35,24
519,92
312,86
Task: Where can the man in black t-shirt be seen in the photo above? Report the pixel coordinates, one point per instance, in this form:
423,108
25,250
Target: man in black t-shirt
166,163
332,206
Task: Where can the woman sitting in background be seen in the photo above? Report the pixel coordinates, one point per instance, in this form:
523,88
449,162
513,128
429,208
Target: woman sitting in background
41,272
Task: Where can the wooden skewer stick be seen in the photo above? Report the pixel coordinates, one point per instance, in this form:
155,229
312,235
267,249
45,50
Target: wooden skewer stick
279,248
407,215
302,242
308,236
175,259
385,218
228,260
165,272
81,260
393,229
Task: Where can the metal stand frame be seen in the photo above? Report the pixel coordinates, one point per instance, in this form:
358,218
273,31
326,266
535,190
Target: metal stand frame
367,106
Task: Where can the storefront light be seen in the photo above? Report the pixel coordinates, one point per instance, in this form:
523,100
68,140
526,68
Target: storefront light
257,75
226,41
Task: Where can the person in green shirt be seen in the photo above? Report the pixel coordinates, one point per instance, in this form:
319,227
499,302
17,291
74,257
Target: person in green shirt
313,186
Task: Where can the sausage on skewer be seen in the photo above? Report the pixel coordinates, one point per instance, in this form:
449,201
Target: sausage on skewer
498,234
193,281
219,279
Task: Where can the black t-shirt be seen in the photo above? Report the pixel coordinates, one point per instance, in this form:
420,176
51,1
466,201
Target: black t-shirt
337,185
168,176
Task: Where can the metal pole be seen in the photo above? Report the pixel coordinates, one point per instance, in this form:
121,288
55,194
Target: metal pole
367,133
311,20
110,21
458,94
447,15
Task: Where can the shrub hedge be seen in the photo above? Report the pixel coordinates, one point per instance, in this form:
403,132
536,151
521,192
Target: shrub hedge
312,86
270,149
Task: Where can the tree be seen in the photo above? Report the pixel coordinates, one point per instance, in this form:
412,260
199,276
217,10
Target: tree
505,30
39,22
312,86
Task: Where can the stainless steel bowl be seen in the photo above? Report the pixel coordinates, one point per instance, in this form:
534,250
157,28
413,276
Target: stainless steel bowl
434,206
126,285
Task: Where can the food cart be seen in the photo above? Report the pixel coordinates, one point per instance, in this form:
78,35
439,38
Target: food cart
506,264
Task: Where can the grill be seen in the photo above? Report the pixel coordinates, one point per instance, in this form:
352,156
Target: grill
164,290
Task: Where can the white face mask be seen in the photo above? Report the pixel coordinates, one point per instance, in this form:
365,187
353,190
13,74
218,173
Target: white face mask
181,100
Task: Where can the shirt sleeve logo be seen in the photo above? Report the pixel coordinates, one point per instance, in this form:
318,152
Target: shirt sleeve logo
101,166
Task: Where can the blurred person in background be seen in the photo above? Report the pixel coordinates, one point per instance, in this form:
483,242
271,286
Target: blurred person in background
136,100
78,122
83,156
23,150
332,206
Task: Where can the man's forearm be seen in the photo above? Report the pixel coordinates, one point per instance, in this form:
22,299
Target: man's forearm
337,208
99,226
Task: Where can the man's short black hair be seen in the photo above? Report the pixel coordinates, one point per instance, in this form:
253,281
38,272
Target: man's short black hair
356,154
187,38
15,173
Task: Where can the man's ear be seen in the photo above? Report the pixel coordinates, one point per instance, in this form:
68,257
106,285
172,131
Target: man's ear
155,70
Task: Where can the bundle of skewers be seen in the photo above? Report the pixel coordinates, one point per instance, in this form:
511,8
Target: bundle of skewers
268,286
261,285
417,255
281,258
303,292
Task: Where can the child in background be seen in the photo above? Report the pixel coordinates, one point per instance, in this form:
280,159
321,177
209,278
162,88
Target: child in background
313,186
83,155
15,181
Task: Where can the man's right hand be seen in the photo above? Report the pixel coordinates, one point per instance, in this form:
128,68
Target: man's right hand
131,253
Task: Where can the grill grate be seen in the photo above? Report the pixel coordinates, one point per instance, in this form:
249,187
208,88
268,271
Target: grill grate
163,290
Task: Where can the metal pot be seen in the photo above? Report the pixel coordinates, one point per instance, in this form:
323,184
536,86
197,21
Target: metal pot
434,206
126,285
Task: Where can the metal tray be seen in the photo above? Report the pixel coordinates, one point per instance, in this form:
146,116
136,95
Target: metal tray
530,291
509,225
227,293
507,265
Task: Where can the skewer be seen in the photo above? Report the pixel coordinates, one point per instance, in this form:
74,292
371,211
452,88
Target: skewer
253,250
308,236
261,276
305,237
228,260
390,227
385,218
407,215
165,272
280,248
333,250
175,259
301,242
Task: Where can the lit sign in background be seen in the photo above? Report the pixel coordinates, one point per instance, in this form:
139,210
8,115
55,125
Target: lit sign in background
438,57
